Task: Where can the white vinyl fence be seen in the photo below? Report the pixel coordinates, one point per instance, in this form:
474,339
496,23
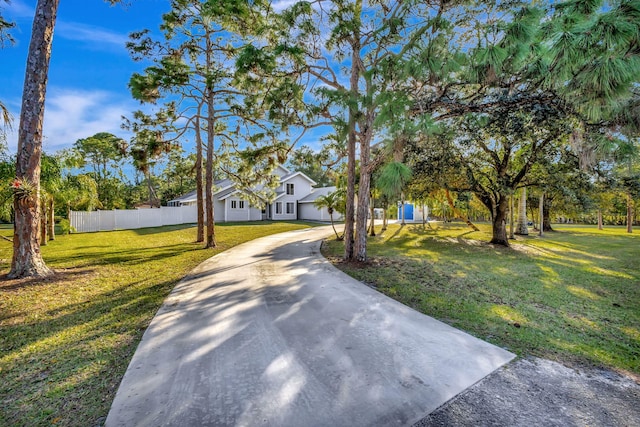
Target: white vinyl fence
128,219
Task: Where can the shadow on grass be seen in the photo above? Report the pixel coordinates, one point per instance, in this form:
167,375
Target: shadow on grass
7,285
77,347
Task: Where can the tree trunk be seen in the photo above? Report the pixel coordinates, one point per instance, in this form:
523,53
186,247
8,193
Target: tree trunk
402,221
199,189
27,260
349,240
360,246
546,215
51,221
372,231
629,213
600,223
511,235
385,206
499,223
211,236
541,215
521,228
334,226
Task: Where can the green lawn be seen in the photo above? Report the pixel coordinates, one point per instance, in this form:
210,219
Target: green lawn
65,342
571,296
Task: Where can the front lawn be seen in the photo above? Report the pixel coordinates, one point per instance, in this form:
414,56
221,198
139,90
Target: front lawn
65,342
572,296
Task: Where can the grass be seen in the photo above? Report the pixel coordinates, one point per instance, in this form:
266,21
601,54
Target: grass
572,296
65,342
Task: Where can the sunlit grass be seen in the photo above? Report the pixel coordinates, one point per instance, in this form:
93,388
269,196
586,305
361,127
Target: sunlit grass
66,342
571,295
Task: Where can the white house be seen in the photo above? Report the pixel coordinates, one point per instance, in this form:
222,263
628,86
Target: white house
294,199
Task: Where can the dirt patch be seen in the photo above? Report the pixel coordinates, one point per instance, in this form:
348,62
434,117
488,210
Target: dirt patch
541,392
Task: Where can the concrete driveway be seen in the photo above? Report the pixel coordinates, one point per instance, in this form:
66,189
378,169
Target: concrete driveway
271,334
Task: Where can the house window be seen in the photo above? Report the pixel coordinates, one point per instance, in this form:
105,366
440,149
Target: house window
278,208
237,204
289,189
241,204
290,208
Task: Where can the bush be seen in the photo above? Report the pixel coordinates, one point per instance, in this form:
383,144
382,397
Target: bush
65,226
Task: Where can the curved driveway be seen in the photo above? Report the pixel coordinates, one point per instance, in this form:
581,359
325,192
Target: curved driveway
269,333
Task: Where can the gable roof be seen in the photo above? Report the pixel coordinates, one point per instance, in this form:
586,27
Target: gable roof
291,175
219,185
316,193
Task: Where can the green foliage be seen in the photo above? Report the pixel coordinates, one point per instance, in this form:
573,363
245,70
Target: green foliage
393,178
65,227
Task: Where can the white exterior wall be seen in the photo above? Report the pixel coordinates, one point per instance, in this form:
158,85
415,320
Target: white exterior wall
218,210
301,188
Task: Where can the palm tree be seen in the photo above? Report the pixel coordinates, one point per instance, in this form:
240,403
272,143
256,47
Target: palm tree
332,202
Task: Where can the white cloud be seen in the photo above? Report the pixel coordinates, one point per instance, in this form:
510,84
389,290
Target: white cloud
18,9
73,114
90,35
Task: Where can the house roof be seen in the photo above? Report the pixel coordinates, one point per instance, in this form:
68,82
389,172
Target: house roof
290,175
219,185
316,193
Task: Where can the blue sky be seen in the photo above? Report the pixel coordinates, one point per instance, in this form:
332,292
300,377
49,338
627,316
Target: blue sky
89,70
90,67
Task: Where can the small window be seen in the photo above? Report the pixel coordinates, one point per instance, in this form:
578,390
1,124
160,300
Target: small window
290,208
279,208
289,188
241,204
234,204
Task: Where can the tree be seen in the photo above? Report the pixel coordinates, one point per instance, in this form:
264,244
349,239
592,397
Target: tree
333,201
50,180
27,260
178,177
192,71
313,164
103,154
568,65
353,75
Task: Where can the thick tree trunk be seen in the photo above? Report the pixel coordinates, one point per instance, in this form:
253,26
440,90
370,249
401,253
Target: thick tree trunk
522,228
362,211
511,215
629,213
499,225
27,260
199,186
